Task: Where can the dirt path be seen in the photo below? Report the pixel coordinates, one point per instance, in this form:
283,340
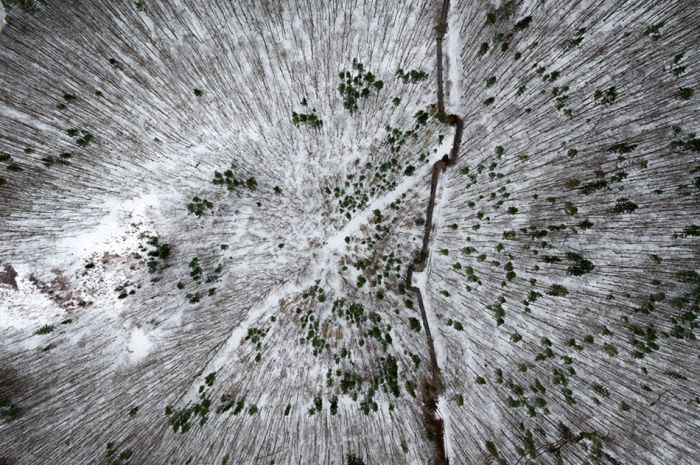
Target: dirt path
433,387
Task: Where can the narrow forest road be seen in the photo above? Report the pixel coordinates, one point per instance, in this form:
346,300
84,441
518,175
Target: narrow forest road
434,387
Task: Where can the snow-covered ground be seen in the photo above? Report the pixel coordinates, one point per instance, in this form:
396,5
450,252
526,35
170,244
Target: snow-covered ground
200,279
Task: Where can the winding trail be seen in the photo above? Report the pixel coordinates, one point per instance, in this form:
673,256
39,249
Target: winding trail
434,387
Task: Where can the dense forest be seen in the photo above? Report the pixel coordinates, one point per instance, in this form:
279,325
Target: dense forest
349,232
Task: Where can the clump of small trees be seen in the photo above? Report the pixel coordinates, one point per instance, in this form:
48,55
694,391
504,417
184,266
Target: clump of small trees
357,84
412,76
309,118
8,411
198,206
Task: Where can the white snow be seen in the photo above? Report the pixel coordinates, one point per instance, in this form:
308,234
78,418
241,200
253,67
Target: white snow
454,64
111,233
25,308
139,346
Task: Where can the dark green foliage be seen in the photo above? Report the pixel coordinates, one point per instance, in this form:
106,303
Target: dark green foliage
553,76
561,98
601,390
523,23
159,252
685,93
606,97
692,230
310,119
114,458
643,340
578,37
8,411
397,138
570,208
198,206
593,187
689,276
622,148
580,265
255,335
675,375
483,48
350,83
677,68
198,92
195,269
179,419
557,290
610,349
352,459
493,451
690,144
412,76
572,183
85,140
499,312
46,329
624,205
654,31
227,179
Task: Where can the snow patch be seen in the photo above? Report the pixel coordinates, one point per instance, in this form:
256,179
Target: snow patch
139,346
111,231
25,308
454,63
